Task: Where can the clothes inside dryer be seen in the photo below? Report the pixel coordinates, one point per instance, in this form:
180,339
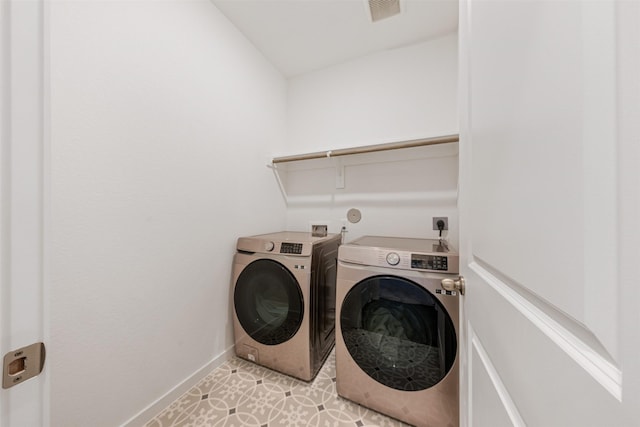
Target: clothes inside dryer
399,320
398,333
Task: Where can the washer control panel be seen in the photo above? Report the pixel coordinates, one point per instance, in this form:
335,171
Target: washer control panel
441,263
437,262
290,248
429,262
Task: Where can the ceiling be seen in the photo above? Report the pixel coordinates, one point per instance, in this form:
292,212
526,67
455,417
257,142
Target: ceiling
299,36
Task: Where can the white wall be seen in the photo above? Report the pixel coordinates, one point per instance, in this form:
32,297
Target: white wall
397,193
395,95
162,118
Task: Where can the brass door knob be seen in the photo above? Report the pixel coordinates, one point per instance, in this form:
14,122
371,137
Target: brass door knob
453,284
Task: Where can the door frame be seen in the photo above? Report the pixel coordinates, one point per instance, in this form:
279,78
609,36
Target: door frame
24,200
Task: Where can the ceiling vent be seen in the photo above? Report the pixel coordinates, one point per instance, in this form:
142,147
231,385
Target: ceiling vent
381,9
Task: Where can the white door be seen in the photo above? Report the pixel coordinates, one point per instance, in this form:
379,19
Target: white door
549,213
22,203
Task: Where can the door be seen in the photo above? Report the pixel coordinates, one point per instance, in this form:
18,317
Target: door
22,203
549,213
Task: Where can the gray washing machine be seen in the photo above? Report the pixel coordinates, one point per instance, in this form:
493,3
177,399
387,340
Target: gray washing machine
397,329
284,290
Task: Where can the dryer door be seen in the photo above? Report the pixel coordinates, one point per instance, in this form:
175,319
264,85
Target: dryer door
398,333
268,302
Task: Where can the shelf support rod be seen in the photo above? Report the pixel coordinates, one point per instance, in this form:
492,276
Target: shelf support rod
368,149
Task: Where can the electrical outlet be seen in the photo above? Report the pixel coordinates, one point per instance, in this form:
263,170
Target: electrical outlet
443,219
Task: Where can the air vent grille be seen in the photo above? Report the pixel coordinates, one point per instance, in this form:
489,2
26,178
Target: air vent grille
381,9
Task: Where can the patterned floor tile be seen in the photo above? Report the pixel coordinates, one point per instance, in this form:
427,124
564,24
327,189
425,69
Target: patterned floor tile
241,393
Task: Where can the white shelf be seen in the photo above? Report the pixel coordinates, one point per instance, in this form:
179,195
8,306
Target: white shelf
367,149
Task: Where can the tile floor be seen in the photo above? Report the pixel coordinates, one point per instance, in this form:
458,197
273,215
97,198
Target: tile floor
240,393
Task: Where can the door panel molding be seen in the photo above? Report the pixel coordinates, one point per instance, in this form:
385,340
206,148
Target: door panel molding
543,106
586,356
599,159
502,393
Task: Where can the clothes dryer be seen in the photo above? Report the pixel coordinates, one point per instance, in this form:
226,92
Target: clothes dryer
284,288
397,329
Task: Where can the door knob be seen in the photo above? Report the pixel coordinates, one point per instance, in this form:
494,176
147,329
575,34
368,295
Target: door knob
453,284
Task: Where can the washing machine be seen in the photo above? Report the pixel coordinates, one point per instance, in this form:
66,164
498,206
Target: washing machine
397,329
284,296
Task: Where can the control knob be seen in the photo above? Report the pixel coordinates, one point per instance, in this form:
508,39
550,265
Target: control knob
393,258
268,246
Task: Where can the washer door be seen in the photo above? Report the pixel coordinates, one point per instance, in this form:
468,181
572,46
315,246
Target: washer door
268,302
398,333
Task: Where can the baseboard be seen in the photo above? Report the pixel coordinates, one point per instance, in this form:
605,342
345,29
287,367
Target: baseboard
144,416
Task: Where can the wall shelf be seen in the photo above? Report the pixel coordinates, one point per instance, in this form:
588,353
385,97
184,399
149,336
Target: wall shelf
367,149
312,164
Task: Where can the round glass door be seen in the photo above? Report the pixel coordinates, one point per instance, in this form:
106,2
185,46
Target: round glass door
268,302
398,333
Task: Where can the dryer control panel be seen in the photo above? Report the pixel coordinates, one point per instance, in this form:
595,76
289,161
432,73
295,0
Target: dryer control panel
401,253
429,262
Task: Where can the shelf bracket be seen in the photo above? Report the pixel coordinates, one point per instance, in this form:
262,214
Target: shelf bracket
276,173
